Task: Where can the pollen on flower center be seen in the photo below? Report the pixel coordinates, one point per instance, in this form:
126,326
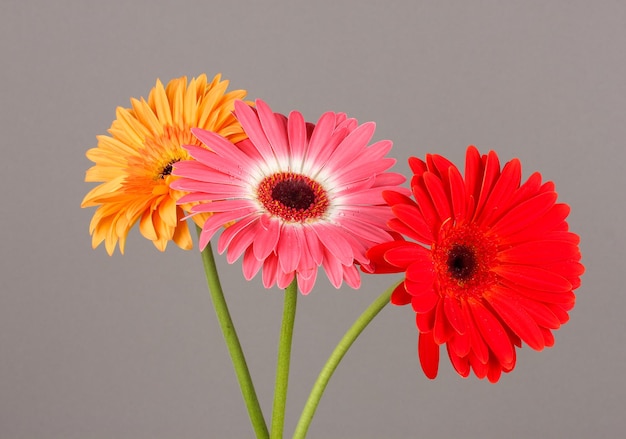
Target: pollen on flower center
293,197
464,258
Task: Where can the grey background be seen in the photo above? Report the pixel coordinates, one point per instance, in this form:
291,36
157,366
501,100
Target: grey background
93,346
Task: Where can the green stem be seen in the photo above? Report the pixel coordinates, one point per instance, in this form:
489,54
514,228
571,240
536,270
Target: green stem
284,358
232,342
333,361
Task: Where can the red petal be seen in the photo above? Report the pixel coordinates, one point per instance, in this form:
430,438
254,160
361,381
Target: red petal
552,220
454,314
398,226
425,322
406,254
442,331
502,191
479,348
534,278
428,354
399,296
460,363
412,216
491,175
460,344
457,194
438,195
393,197
479,368
426,206
540,252
514,315
473,172
418,166
492,332
439,165
376,255
494,370
421,270
524,214
548,337
423,301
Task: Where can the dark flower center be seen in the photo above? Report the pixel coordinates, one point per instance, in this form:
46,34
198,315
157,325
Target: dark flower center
461,262
295,194
293,197
464,258
167,169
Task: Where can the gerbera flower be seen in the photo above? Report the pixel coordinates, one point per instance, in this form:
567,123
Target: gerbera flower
299,196
135,162
494,264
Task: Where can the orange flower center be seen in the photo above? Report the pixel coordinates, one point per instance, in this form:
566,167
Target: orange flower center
464,258
293,197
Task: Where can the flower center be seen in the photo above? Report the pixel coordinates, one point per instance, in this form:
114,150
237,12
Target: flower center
293,197
167,169
154,163
464,258
461,262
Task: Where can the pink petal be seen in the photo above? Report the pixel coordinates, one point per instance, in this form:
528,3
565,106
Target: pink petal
273,130
227,152
266,241
233,230
333,268
364,230
289,248
319,144
314,245
352,145
253,128
270,271
351,276
305,284
194,170
251,264
331,238
296,129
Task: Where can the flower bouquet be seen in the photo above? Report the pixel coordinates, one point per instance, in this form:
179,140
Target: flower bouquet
487,261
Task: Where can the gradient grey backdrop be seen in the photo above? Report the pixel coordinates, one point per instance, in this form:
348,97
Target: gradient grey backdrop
93,346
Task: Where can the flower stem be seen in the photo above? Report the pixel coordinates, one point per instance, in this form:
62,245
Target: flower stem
333,361
232,342
284,358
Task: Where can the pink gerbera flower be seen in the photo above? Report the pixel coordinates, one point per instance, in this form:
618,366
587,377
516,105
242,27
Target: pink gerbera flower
295,196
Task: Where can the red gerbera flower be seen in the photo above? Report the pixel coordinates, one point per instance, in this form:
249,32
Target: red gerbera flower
494,264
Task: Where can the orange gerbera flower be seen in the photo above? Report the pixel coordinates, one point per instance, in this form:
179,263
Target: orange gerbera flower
134,163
